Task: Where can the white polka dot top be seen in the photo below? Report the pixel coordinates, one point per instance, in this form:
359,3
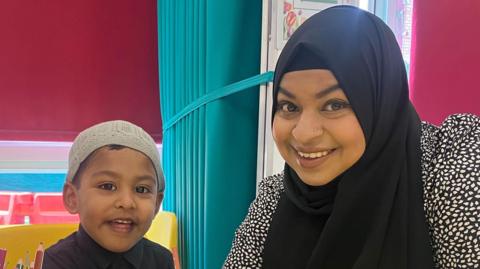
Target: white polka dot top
451,182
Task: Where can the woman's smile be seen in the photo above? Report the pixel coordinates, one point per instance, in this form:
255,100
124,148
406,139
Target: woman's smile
315,128
313,159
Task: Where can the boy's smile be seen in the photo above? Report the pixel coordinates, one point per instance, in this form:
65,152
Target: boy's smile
117,198
122,225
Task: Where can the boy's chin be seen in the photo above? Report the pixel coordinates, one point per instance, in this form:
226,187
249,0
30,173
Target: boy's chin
113,242
118,247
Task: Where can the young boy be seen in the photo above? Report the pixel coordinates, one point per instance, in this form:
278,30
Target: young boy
115,183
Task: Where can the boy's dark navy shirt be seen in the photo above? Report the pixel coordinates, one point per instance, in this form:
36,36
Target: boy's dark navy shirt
79,250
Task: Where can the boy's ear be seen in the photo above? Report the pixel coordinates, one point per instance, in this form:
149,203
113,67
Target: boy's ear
159,202
70,198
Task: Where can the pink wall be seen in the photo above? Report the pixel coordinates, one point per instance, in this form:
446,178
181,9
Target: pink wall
445,70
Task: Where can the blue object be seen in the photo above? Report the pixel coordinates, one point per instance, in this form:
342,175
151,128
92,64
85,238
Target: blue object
32,182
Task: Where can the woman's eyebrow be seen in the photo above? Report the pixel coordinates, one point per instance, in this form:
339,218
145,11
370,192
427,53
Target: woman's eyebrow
285,92
326,91
319,95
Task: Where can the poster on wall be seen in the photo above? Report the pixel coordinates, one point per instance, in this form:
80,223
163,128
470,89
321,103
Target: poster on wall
295,12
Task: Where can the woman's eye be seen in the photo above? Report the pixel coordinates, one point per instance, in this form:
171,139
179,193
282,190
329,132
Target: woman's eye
287,107
107,187
336,105
142,189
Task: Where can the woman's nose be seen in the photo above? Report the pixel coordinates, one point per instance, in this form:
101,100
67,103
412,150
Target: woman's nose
308,128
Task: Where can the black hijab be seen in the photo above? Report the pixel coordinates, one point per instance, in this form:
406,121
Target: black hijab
372,215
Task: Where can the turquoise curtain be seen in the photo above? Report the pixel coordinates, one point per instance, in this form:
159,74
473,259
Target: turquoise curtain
209,155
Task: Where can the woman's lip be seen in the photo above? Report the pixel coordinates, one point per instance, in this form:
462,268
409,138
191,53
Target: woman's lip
312,162
311,150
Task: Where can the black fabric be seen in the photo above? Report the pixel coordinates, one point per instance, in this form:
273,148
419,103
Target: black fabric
315,200
377,220
305,60
293,229
79,250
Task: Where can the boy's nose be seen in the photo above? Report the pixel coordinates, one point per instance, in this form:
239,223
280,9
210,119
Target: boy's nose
125,200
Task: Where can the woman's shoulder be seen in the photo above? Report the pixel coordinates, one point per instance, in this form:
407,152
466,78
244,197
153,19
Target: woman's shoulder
272,184
269,192
250,236
451,179
453,127
458,136
450,154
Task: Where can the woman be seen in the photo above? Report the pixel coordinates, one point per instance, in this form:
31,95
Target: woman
366,184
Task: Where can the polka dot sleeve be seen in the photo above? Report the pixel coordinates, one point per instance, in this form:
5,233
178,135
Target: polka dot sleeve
250,237
451,177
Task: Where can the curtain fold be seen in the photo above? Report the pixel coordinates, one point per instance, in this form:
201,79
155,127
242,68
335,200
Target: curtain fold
209,156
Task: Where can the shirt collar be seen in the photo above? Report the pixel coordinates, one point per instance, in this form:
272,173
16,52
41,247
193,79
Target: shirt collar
135,255
94,251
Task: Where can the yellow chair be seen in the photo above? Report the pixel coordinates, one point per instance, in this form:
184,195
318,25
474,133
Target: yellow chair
18,239
163,222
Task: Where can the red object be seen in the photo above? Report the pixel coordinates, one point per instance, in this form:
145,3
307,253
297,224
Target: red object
38,262
287,7
3,254
49,208
6,206
290,18
22,207
445,57
66,65
38,208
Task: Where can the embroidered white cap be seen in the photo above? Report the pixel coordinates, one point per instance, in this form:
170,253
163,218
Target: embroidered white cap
117,132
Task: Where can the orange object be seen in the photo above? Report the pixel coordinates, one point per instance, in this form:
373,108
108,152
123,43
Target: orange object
176,258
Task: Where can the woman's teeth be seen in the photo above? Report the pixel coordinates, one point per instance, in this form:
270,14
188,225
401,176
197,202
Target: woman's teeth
313,155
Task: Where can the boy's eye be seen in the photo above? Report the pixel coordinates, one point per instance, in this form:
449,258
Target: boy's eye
286,107
335,105
107,187
142,189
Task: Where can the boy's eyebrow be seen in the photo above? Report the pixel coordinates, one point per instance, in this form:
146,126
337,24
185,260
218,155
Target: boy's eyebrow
147,177
105,172
319,95
113,174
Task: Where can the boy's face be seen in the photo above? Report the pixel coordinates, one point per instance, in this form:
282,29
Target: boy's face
117,198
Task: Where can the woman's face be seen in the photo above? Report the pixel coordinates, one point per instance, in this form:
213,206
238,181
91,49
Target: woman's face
314,126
